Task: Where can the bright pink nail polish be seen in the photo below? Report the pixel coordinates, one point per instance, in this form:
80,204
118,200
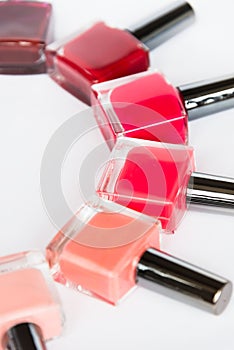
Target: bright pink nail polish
103,53
158,179
30,308
24,31
149,177
147,106
144,106
106,250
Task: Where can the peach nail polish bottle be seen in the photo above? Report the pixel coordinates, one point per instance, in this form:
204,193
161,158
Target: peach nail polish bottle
106,249
30,308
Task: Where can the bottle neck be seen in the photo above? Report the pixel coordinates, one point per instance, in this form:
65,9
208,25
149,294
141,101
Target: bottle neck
168,275
25,336
208,97
210,190
166,23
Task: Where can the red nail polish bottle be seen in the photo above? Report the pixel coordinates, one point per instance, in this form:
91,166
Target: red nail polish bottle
103,53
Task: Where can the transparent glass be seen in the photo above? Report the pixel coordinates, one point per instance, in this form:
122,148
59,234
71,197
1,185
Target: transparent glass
98,250
28,295
25,29
143,105
150,177
98,54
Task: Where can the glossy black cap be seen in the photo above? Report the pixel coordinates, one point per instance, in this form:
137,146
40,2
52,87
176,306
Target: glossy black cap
164,24
211,190
208,96
185,282
25,336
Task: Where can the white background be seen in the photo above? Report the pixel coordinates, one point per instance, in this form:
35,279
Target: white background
33,107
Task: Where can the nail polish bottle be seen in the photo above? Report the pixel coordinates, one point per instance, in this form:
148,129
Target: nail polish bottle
25,29
103,53
30,307
106,250
147,106
159,180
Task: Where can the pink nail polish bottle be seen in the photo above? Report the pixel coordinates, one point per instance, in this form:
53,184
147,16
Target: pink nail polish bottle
147,106
25,29
30,308
159,180
107,249
102,52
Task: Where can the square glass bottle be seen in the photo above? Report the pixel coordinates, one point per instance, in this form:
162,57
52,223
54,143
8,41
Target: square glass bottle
144,106
28,298
25,29
106,250
147,106
103,52
97,251
150,177
159,179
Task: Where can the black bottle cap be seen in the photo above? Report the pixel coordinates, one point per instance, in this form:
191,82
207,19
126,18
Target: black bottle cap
25,336
208,96
164,24
176,278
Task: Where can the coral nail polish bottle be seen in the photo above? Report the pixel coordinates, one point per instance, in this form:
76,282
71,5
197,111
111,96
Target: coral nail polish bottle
30,308
102,53
147,106
106,250
25,29
159,180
